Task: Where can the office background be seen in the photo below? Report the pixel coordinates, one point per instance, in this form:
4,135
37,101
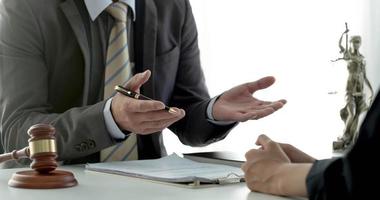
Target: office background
294,40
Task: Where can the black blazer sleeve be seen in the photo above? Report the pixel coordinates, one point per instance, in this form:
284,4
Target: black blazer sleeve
356,175
190,91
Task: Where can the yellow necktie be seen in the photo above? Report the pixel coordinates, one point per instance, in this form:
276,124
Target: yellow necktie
118,72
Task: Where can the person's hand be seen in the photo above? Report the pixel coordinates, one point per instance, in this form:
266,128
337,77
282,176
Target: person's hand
238,104
142,116
295,155
269,169
263,166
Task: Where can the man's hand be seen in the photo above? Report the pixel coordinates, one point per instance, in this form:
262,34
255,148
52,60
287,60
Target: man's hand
238,104
270,168
142,116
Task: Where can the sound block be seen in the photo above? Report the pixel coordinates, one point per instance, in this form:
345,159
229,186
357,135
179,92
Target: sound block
33,180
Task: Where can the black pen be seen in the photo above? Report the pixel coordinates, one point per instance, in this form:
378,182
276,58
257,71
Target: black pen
135,95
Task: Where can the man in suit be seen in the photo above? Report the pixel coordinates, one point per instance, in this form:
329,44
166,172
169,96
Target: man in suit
54,57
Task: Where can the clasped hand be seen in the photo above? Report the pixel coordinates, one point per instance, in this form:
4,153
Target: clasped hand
276,168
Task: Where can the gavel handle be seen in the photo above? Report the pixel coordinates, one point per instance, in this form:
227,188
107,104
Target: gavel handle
15,155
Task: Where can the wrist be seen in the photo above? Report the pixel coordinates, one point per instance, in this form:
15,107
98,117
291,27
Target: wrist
111,125
210,108
280,179
116,118
292,179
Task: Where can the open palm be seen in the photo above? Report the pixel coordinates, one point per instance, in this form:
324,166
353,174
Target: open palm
238,104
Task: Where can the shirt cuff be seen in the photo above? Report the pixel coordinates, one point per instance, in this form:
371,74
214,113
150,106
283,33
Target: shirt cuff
111,125
211,119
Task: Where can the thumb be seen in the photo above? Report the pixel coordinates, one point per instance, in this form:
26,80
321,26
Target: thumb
260,84
138,80
264,141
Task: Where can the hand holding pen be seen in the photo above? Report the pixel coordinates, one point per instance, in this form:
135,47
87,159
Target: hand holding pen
136,95
139,114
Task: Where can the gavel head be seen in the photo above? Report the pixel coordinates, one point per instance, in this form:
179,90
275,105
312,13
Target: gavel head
42,147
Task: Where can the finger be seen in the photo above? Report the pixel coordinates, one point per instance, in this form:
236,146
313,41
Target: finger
260,84
243,117
263,140
161,124
247,168
283,101
263,112
296,155
244,166
275,105
178,111
260,102
259,186
285,146
251,154
138,80
158,115
134,105
153,127
147,131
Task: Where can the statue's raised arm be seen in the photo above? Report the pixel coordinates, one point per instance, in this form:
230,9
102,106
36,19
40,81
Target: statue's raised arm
345,33
343,50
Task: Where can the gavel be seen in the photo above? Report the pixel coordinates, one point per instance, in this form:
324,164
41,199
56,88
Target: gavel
42,151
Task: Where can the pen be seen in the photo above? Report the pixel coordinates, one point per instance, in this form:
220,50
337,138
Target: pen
135,95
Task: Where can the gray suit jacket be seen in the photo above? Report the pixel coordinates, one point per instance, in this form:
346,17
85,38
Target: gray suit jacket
45,66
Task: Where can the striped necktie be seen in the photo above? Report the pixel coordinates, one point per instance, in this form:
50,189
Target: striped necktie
118,71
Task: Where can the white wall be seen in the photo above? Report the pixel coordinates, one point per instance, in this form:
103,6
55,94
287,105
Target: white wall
293,40
372,29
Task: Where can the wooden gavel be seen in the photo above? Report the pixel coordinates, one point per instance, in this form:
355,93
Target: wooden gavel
43,152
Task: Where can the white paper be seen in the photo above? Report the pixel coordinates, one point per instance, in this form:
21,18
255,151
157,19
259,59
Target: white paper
172,169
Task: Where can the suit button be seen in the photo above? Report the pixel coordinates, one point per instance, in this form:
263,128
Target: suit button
91,144
83,146
77,148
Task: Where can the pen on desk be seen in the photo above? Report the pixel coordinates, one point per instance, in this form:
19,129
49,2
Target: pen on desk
135,95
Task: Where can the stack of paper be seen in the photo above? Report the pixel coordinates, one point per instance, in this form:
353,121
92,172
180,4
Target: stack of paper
173,169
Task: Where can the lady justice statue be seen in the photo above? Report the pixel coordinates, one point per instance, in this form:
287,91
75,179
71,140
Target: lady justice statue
356,102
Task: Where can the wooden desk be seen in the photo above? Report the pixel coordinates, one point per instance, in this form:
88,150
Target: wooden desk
94,186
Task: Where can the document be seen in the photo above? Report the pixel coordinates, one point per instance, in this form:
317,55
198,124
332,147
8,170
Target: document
173,169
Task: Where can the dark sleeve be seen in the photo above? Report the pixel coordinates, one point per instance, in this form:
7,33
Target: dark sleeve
190,91
355,175
24,90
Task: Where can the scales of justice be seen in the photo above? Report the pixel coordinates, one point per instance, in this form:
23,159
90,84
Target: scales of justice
43,152
355,97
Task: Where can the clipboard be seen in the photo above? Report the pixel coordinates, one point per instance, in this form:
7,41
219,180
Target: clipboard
174,170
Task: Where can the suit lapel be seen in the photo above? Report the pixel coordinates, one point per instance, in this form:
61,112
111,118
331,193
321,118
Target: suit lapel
73,16
146,36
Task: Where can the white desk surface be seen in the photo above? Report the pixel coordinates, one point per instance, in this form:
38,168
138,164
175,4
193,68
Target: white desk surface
93,185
